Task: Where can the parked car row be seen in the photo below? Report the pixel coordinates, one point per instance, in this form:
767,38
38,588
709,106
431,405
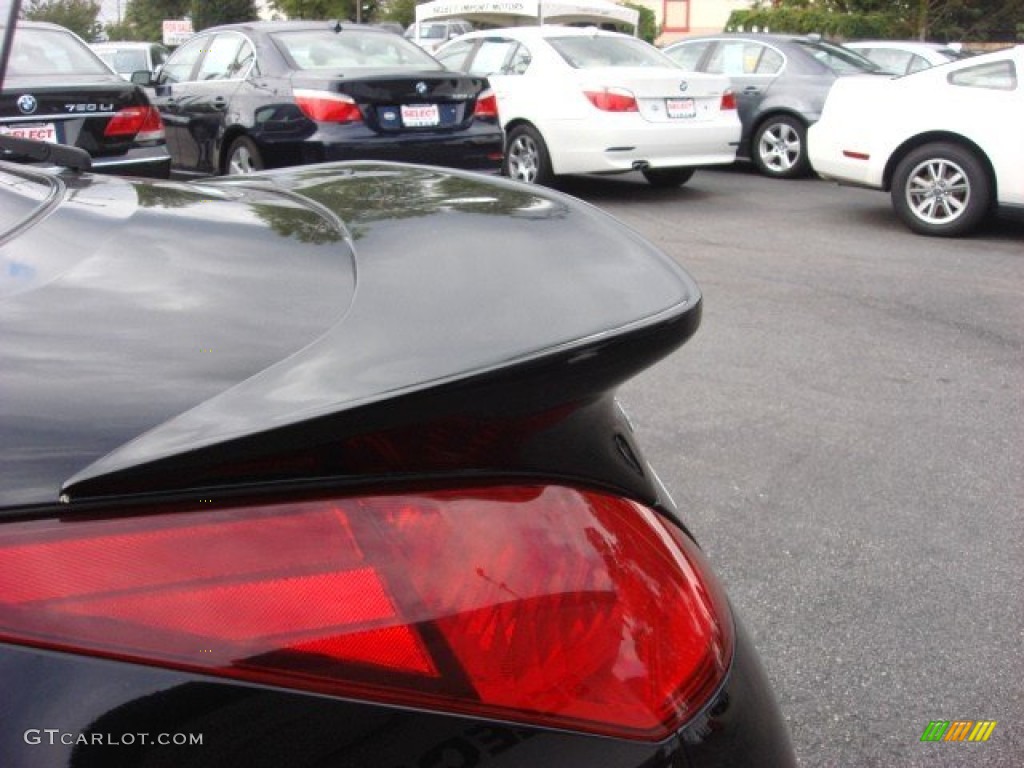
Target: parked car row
534,102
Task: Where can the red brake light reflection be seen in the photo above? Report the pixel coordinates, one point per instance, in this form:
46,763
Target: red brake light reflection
327,107
143,123
486,105
613,100
543,605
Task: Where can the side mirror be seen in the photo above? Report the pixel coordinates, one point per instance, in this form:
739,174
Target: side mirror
143,77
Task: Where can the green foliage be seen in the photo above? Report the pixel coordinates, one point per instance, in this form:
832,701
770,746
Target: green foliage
143,19
324,9
77,15
402,11
648,27
975,20
210,13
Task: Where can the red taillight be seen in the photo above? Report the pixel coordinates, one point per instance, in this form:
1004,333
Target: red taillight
143,123
545,605
327,107
486,105
728,100
613,100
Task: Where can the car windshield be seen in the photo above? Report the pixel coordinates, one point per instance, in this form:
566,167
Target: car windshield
840,60
46,52
585,52
314,49
125,61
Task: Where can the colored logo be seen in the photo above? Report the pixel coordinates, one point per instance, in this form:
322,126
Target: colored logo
959,730
27,103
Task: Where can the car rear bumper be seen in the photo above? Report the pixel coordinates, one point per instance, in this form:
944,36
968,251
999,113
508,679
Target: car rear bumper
480,148
149,162
576,148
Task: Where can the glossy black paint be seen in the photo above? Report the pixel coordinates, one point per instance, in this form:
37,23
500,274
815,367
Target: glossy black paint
80,105
77,712
348,326
205,117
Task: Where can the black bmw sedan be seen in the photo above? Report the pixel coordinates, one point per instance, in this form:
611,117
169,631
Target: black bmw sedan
244,97
58,91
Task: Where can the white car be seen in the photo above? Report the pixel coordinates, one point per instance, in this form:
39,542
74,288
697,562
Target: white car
576,100
125,58
945,141
904,57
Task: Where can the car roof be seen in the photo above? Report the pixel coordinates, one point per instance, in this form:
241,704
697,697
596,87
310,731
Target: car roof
768,37
290,26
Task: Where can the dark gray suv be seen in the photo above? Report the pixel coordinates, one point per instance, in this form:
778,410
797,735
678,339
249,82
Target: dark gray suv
780,82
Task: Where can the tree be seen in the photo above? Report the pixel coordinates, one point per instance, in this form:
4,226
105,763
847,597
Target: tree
647,28
77,15
210,13
328,9
945,20
402,11
143,19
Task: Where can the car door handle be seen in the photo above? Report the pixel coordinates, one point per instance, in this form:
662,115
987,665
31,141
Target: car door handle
751,89
220,103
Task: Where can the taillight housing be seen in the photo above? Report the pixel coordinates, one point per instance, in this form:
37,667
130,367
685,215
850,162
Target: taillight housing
486,105
728,100
612,99
141,123
327,107
541,605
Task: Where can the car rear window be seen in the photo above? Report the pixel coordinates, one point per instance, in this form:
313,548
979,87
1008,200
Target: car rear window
46,52
351,49
842,61
126,61
604,51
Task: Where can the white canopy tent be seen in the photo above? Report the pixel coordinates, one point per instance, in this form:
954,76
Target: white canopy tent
511,13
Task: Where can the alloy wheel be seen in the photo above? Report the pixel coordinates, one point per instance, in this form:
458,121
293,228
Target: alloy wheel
938,191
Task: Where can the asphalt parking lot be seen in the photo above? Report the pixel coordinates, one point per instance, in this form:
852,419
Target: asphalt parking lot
846,437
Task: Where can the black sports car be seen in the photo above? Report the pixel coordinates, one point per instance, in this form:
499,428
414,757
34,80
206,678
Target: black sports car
58,91
243,97
324,467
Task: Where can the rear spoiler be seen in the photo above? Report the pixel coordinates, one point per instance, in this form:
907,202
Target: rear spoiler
468,335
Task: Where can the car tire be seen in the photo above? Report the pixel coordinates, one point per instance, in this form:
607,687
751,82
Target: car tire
243,157
942,190
665,178
779,148
526,156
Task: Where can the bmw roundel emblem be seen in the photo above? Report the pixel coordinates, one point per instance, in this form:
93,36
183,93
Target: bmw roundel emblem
27,103
421,88
683,86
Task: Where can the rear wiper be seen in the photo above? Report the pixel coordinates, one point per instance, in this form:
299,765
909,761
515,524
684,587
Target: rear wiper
72,158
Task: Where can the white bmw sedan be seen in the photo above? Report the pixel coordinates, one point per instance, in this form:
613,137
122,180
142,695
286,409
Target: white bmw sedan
577,100
945,142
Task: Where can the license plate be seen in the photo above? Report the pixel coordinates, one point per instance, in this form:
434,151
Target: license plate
38,131
680,107
420,115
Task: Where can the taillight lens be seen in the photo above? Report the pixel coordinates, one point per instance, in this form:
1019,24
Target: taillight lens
728,100
542,605
327,107
486,105
142,123
613,100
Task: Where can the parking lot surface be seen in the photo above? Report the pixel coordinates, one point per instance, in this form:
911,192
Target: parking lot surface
846,437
